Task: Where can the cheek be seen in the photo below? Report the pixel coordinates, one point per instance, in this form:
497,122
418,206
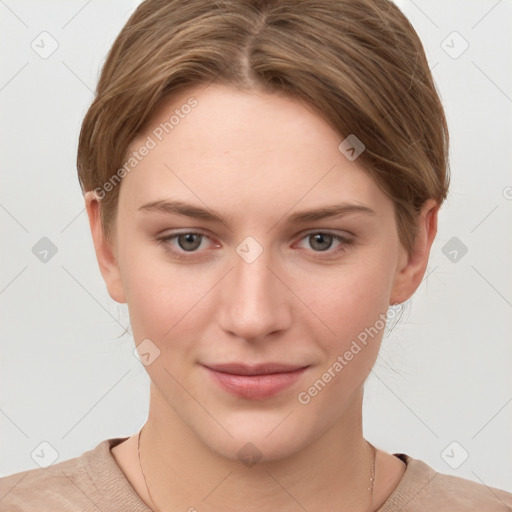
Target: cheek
354,309
351,299
161,296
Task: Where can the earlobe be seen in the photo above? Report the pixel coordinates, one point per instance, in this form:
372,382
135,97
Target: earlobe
104,249
410,273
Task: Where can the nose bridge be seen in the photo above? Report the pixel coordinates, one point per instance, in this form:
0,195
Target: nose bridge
254,302
254,276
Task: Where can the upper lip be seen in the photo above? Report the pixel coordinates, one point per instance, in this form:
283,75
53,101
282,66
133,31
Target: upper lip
258,369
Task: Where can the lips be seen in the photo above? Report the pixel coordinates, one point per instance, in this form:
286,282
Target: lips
255,381
260,369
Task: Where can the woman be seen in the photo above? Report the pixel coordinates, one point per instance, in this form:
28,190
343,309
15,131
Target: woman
262,180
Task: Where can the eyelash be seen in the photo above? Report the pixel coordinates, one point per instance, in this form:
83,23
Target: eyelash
183,255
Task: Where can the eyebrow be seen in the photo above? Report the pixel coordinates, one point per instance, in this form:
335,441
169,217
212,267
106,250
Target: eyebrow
197,212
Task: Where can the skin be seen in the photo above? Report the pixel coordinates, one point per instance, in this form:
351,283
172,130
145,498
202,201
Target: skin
255,158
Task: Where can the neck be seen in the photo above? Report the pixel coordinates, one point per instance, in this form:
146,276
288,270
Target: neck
182,473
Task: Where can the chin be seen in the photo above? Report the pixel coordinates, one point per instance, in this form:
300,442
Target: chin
259,437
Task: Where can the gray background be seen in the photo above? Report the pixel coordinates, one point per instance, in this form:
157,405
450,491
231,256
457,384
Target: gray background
67,376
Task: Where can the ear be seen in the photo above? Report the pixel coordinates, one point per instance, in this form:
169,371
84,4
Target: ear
411,267
105,251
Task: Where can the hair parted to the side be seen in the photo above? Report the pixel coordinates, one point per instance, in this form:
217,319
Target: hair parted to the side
359,63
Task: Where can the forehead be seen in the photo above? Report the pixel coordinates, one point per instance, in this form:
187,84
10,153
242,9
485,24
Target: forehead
245,149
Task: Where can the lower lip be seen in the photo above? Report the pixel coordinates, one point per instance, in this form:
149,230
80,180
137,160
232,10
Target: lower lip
256,386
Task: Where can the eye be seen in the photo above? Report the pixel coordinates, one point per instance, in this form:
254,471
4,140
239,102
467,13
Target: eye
322,241
179,244
188,244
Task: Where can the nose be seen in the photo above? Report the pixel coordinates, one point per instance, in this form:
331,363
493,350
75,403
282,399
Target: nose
255,302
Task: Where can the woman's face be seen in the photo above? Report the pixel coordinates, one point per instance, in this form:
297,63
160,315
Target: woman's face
247,277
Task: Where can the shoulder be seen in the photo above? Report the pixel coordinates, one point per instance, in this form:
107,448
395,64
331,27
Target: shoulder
424,489
85,483
43,488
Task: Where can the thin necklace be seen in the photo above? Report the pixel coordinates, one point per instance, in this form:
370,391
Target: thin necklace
372,475
370,487
153,506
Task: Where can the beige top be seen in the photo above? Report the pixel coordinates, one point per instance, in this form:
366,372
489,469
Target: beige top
94,482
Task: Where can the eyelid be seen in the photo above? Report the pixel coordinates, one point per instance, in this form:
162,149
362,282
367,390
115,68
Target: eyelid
328,231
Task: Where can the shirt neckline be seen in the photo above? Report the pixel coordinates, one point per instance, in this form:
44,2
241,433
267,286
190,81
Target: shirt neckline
110,480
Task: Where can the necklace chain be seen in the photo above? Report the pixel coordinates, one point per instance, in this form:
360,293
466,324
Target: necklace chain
370,487
154,507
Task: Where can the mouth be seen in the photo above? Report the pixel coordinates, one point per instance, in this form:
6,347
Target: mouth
255,382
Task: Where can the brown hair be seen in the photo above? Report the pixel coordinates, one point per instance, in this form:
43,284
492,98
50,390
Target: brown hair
359,63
